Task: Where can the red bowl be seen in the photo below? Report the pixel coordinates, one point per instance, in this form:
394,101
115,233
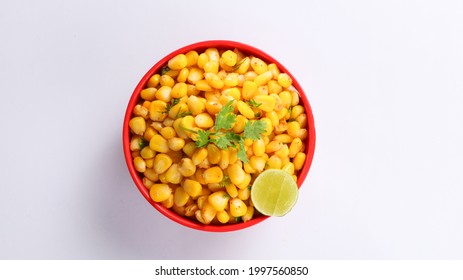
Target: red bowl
135,98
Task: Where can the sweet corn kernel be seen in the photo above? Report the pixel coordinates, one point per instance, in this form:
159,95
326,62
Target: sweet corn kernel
147,153
211,67
147,183
218,200
231,190
213,154
267,103
243,194
299,160
139,164
179,90
213,80
160,192
180,196
167,81
288,167
229,58
258,163
175,143
246,181
190,210
274,162
151,174
199,155
208,212
263,79
249,214
178,62
153,81
158,110
223,217
244,109
159,144
173,175
196,106
243,65
168,132
284,80
224,159
183,76
213,175
162,162
258,65
231,80
204,120
148,93
235,173
137,125
237,207
295,147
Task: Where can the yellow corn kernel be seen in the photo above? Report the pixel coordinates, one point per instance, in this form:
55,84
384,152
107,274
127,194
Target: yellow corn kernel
147,153
258,163
258,65
137,125
249,214
178,62
224,159
175,143
162,162
191,58
286,98
202,60
189,148
190,210
172,73
160,192
231,80
237,207
169,202
235,173
179,110
135,154
283,138
187,124
183,76
267,103
195,75
180,197
295,147
208,213
146,104
238,127
233,155
147,182
162,178
243,65
299,160
223,217
212,54
231,190
140,111
263,79
202,200
213,80
149,162
288,167
137,143
167,81
168,132
173,175
272,67
151,174
195,105
283,153
179,90
250,75
293,129
229,58
148,93
153,81
178,209
281,127
204,120
274,87
273,146
303,134
139,164
213,154
224,67
262,90
157,125
214,187
159,144
282,113
278,103
179,129
163,94
268,126
248,168
211,67
192,187
149,133
213,175
296,111
176,156
232,92
213,107
295,98
212,95
243,194
273,117
245,183
244,109
284,80
199,155
258,147
274,162
203,85
186,167
218,200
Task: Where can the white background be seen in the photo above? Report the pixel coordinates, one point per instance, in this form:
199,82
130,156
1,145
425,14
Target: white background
384,78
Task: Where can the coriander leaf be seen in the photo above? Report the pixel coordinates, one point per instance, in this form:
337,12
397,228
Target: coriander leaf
254,104
254,129
143,143
225,118
242,152
203,138
223,142
164,70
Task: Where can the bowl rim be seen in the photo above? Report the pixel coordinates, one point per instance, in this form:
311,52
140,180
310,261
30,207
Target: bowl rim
135,97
